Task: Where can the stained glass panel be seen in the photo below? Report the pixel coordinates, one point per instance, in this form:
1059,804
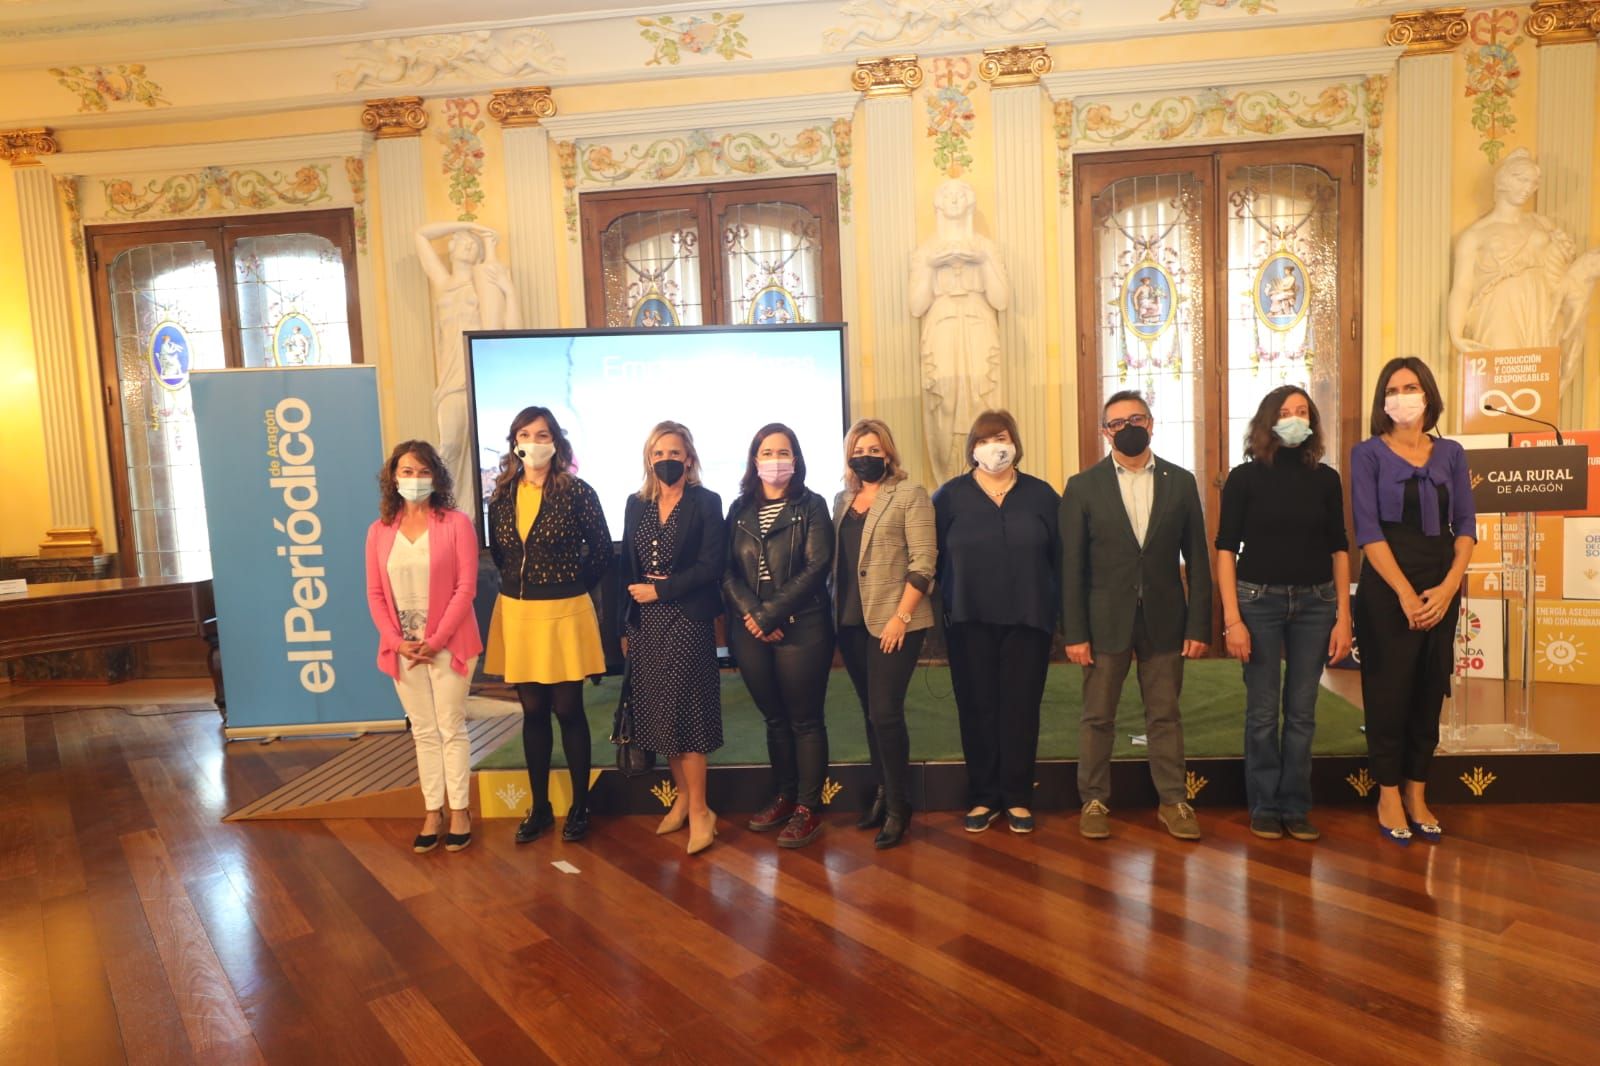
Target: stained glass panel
773,253
292,301
1150,279
650,265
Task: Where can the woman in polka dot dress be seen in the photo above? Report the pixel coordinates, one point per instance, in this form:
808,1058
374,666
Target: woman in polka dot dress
674,548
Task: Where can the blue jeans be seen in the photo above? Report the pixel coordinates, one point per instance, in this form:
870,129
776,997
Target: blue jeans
1293,623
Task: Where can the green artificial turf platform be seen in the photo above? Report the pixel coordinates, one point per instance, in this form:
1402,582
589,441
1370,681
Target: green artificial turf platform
1213,719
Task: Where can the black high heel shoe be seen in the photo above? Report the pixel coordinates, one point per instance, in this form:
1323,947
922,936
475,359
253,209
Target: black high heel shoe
874,815
893,831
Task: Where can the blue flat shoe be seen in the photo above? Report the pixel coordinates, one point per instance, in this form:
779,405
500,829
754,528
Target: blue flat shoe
1432,832
1399,836
1019,823
977,823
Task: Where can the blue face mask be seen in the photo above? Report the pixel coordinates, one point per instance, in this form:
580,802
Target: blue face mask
1293,431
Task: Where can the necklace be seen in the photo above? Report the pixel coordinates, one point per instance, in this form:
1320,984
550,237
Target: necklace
1009,485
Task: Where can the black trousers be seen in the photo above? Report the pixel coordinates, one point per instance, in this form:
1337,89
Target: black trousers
881,681
998,675
1405,675
789,683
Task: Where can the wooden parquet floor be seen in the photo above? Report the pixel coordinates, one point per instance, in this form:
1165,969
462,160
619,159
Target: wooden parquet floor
135,925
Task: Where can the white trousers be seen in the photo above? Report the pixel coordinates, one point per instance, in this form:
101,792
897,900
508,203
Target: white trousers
435,699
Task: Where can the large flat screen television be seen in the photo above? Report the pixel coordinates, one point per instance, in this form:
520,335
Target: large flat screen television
608,387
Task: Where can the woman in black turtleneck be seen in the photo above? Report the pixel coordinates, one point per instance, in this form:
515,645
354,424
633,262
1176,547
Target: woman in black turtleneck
1286,596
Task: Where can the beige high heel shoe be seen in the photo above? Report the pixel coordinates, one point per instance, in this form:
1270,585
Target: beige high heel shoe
673,821
701,835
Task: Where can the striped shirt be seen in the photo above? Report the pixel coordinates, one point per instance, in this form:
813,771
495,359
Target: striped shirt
767,515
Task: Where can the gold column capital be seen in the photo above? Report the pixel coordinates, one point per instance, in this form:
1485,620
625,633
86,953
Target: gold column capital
1564,21
523,106
1019,64
22,148
1427,32
398,116
888,76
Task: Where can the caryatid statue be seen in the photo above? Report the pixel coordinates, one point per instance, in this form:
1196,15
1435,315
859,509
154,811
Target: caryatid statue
958,285
471,291
1518,281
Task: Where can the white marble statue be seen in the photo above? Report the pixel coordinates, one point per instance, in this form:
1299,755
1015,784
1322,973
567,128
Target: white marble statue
472,290
1518,282
957,285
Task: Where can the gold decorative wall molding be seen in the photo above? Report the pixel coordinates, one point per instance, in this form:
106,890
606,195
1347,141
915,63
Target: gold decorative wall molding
1020,64
889,76
1564,21
1427,32
22,148
397,116
524,106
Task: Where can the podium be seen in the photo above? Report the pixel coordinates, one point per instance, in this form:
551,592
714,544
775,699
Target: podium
1516,485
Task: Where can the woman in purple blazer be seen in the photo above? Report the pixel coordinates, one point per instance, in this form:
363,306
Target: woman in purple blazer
1411,498
422,574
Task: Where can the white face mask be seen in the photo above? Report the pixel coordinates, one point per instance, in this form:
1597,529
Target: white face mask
535,455
1405,408
994,456
415,489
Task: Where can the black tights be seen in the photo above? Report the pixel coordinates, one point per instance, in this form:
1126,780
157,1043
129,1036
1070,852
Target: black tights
565,700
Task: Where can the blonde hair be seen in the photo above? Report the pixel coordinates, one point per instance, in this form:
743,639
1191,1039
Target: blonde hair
651,489
892,470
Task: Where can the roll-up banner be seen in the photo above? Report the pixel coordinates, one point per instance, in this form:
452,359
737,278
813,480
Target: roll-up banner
288,460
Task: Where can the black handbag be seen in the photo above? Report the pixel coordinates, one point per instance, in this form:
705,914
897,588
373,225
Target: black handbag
632,760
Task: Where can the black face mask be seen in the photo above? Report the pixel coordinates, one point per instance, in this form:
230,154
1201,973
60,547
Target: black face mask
869,468
668,471
1131,440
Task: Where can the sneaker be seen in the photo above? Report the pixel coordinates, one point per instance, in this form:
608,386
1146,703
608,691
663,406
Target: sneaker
980,818
1180,820
1300,828
1096,821
775,814
804,825
1267,826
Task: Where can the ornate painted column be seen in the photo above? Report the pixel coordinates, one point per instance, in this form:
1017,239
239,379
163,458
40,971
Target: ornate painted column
1565,30
1422,105
397,123
72,529
528,193
1014,75
891,237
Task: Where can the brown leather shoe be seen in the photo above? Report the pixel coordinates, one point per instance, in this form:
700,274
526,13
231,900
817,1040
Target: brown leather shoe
1094,822
804,825
1180,820
775,815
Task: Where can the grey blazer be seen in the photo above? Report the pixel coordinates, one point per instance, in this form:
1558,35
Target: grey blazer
1106,572
898,545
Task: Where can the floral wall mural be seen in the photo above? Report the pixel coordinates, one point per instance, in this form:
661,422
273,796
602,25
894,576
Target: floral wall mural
1493,74
215,190
950,115
719,34
1190,9
97,88
463,155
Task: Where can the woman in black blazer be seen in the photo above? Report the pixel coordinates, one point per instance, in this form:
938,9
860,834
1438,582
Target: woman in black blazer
674,548
780,551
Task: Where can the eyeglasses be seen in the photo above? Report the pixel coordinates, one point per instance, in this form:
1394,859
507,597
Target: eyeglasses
1116,425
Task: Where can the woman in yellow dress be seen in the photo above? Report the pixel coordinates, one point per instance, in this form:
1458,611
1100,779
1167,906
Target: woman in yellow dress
548,539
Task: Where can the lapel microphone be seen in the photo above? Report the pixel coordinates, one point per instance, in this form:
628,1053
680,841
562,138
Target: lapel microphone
1487,406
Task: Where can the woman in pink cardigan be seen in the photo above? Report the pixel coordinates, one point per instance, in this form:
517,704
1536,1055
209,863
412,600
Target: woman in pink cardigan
422,574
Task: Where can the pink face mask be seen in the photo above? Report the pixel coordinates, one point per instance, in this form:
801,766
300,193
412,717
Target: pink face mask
775,472
1405,408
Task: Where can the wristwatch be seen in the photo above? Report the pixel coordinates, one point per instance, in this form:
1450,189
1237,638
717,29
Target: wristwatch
906,618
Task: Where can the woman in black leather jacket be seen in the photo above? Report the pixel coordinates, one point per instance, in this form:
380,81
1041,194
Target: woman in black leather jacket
780,629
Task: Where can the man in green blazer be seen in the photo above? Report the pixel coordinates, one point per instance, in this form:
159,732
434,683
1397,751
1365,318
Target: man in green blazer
1126,523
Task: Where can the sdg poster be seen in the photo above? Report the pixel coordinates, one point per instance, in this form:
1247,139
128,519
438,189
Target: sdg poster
288,460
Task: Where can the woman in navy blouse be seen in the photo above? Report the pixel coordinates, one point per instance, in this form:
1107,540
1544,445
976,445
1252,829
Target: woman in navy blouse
1414,518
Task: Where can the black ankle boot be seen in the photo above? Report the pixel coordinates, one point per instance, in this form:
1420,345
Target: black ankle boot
872,818
895,824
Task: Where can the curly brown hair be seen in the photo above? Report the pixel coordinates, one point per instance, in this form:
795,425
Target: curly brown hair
1260,442
505,482
391,503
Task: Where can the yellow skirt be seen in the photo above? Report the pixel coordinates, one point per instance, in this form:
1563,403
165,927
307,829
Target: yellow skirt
544,641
